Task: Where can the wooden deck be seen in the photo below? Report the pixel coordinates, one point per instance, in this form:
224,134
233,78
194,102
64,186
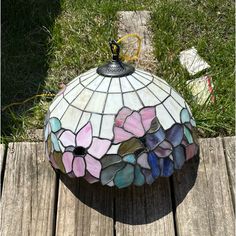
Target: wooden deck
198,200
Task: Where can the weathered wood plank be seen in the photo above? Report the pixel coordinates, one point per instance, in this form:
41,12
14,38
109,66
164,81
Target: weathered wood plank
27,205
84,209
145,210
138,22
2,157
229,148
207,209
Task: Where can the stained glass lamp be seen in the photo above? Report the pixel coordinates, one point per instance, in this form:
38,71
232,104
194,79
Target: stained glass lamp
120,126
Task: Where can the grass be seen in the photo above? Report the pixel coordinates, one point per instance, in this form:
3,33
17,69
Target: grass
48,43
209,27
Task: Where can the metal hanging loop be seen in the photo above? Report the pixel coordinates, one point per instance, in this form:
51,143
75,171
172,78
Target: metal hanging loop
115,49
115,68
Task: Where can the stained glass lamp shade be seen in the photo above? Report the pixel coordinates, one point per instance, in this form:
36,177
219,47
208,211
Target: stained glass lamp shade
119,130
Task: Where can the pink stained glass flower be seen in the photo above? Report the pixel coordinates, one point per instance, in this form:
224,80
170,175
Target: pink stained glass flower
130,123
82,151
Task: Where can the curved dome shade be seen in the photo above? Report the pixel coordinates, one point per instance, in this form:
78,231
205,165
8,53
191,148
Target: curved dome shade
119,131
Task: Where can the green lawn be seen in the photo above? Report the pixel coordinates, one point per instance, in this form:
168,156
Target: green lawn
47,42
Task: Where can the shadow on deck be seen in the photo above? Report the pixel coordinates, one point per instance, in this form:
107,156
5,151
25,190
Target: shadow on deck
105,199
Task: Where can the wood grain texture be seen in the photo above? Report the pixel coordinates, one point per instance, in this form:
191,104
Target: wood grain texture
84,209
207,209
145,210
138,22
229,148
27,205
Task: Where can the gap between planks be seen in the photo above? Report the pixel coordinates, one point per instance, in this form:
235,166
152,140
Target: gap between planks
3,154
229,151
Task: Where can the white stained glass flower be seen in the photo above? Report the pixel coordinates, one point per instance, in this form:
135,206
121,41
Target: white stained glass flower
119,130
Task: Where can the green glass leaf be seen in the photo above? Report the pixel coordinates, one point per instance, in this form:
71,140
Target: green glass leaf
108,173
138,176
184,116
130,146
193,122
124,177
188,135
55,142
55,124
130,158
58,159
155,125
109,160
